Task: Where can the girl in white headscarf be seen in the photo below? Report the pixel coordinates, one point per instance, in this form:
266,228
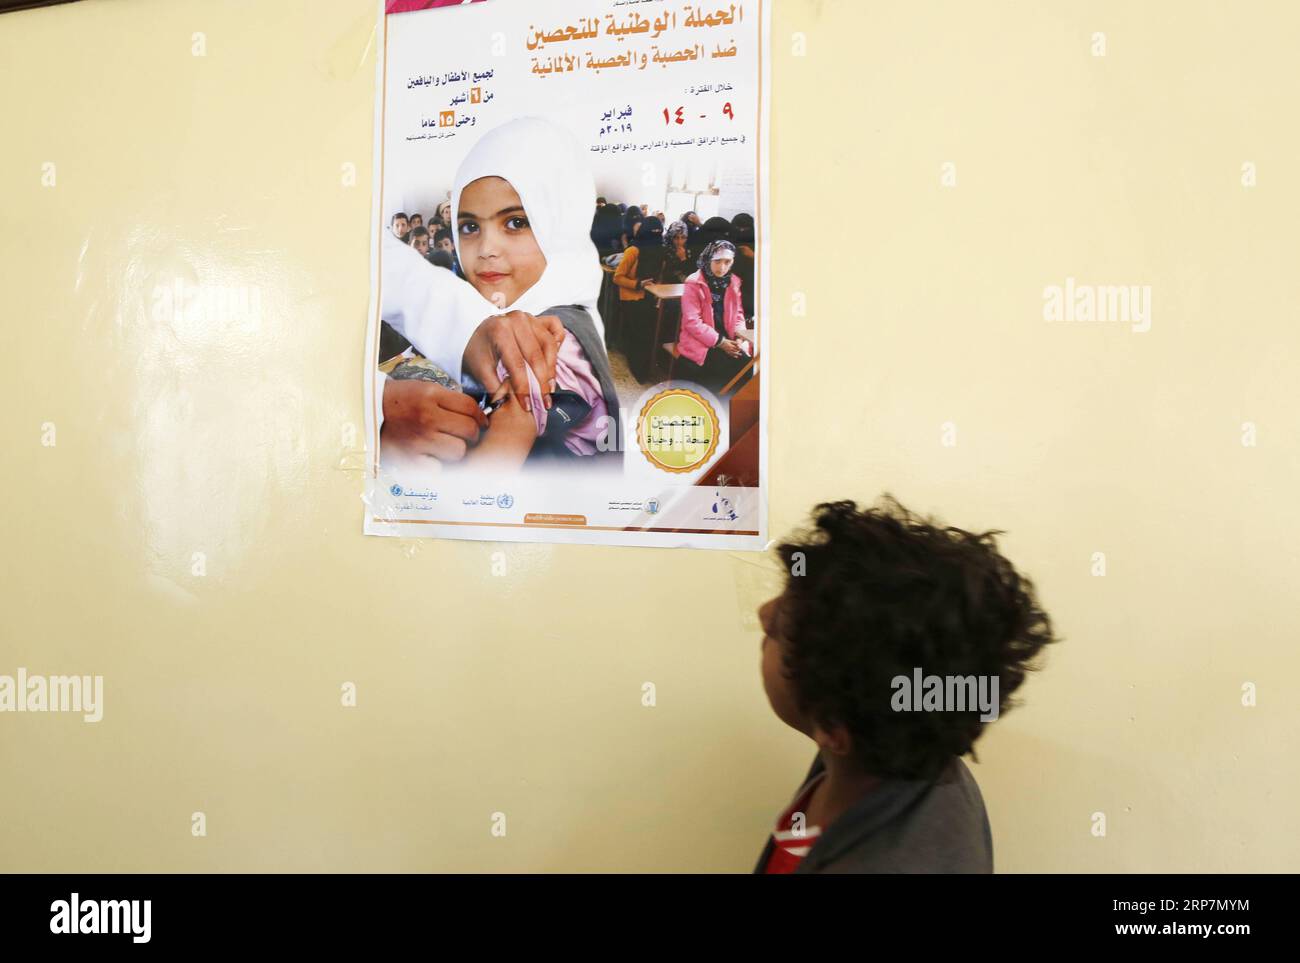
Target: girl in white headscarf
547,168
521,205
521,219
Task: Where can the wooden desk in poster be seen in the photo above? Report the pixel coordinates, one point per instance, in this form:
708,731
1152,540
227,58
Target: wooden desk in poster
662,294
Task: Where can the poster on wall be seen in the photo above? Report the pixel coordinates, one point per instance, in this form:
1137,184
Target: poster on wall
569,318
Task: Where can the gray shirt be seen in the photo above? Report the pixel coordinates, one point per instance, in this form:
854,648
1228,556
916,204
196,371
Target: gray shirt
905,826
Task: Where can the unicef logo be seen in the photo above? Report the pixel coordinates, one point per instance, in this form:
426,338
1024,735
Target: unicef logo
395,490
505,501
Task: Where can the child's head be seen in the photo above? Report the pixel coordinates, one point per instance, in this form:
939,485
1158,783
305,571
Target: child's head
401,226
522,200
676,235
875,595
742,229
717,258
442,241
650,233
419,240
498,251
714,229
416,221
444,213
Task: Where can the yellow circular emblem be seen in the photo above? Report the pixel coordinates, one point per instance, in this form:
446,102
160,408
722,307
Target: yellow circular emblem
677,430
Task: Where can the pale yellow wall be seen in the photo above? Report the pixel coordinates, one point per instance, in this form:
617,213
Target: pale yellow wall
522,693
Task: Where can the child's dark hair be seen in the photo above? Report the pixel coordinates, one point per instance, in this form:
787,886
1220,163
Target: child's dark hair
442,234
399,216
418,232
874,594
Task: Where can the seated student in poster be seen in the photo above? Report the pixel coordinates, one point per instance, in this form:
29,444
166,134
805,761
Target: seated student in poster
443,217
419,239
638,268
692,222
874,597
714,229
607,230
710,352
631,224
444,242
742,235
677,264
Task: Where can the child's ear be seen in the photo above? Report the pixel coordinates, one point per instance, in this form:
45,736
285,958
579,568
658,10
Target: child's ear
835,739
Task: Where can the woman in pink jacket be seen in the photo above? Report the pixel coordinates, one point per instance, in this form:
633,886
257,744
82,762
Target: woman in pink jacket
710,352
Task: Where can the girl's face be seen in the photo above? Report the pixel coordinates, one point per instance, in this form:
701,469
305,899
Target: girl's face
679,242
499,252
720,266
